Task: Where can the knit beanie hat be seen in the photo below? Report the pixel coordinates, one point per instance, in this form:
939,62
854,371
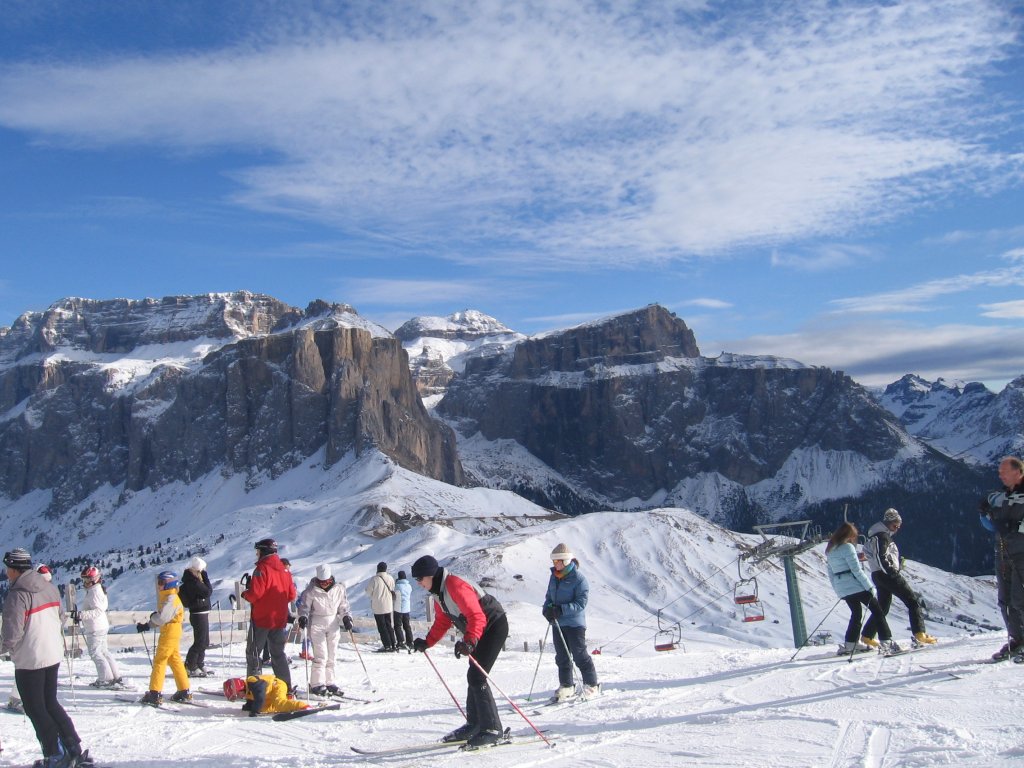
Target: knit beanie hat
401,574
425,566
892,516
382,566
323,572
562,552
18,559
197,563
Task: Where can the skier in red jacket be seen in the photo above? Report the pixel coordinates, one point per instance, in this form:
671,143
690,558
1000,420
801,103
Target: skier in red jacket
269,590
481,619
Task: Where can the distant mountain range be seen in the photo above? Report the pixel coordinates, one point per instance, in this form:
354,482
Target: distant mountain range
101,400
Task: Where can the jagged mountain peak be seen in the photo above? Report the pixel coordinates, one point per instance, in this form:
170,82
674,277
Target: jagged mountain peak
467,325
321,315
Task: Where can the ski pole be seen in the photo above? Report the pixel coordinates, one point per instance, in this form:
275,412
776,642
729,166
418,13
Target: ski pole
231,631
565,645
515,706
71,676
220,628
804,643
354,645
445,684
543,642
305,657
146,646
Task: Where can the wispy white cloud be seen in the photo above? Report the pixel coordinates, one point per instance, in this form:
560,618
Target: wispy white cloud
409,293
823,258
705,303
920,297
876,354
614,133
1007,310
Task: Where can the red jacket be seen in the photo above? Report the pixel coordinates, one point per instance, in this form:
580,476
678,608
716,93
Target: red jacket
270,591
458,602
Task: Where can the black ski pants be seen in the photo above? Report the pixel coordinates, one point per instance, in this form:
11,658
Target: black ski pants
887,586
576,640
196,656
38,691
856,602
403,626
386,629
1010,593
481,711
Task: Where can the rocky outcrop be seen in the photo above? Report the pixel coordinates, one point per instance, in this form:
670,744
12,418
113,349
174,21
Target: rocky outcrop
257,405
626,409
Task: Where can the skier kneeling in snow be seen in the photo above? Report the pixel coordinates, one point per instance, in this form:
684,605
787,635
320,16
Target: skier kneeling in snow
484,627
262,694
324,610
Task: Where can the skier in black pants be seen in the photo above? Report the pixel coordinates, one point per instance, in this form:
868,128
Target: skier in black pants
484,627
194,592
33,635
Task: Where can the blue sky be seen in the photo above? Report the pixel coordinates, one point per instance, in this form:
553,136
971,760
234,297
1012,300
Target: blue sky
837,182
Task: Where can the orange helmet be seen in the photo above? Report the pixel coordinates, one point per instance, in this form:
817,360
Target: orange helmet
234,688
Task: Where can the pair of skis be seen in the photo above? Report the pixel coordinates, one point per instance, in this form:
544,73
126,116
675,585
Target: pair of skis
432,746
175,706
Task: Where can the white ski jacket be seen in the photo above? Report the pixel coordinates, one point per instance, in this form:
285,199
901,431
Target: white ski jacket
93,611
324,608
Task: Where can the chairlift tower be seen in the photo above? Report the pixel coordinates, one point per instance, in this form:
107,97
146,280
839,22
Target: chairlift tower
787,551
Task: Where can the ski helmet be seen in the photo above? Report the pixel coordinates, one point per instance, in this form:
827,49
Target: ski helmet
168,579
266,547
234,688
90,574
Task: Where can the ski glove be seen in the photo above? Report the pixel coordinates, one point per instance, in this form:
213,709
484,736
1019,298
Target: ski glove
419,645
303,622
347,622
142,626
291,618
464,648
75,618
552,612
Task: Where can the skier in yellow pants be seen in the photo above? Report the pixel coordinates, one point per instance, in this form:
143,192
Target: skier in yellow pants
168,616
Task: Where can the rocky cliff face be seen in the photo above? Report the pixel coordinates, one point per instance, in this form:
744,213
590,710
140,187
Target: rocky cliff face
629,414
81,410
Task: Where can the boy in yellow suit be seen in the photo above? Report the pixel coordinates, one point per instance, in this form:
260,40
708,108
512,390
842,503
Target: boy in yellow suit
263,694
168,616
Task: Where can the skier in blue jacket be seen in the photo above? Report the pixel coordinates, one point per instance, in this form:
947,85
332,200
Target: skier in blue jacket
565,607
852,585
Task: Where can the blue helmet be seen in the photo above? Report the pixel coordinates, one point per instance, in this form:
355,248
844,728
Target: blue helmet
168,579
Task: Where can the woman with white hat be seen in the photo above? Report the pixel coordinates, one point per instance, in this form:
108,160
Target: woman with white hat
324,609
565,607
195,591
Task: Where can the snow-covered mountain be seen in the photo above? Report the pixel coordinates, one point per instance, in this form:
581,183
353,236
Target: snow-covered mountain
439,347
965,421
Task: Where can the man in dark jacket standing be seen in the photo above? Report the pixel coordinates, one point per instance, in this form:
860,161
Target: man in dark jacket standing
33,635
194,592
270,590
1002,512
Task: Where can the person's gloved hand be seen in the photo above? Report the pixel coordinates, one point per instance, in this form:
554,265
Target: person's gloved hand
142,626
419,645
75,617
984,507
291,618
303,622
245,580
552,612
347,623
464,648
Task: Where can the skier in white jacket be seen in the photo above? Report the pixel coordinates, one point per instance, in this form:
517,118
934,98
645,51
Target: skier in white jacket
324,609
92,616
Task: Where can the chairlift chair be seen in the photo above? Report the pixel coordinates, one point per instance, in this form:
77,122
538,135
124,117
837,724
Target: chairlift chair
668,638
744,594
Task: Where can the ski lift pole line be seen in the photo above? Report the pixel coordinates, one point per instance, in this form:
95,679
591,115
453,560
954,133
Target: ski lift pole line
804,644
694,612
642,623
